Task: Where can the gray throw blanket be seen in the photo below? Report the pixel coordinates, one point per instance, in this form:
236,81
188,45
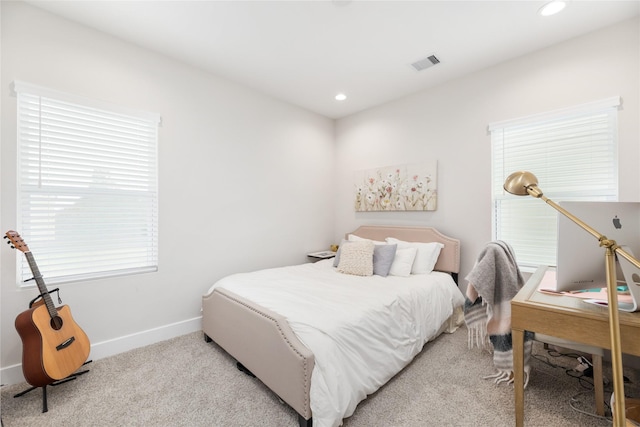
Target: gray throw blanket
493,282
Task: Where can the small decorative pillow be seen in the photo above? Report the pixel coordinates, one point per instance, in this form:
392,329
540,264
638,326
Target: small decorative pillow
383,256
402,262
357,258
426,256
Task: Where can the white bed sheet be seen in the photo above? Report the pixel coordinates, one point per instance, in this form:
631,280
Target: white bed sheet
361,330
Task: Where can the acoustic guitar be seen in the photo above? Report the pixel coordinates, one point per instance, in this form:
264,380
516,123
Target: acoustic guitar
53,345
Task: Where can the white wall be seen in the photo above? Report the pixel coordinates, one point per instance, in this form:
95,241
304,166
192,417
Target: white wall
245,180
449,123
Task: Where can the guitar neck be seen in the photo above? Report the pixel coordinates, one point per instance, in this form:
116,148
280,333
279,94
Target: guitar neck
41,285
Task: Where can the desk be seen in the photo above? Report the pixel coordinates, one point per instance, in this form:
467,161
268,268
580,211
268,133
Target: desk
563,317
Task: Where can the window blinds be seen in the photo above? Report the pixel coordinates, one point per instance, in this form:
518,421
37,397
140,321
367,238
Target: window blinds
572,152
87,187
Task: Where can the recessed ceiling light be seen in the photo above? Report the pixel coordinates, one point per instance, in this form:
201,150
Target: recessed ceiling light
341,97
552,8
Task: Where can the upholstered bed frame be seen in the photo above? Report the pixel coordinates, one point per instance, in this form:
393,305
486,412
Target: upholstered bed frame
262,341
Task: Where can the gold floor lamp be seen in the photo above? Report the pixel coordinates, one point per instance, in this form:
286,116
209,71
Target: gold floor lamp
523,183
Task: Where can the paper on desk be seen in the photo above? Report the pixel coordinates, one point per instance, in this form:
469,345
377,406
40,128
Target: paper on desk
548,286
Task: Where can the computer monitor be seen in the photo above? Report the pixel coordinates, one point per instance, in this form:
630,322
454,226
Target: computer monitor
580,260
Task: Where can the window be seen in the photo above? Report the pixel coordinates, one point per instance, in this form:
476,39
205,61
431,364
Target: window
87,187
572,152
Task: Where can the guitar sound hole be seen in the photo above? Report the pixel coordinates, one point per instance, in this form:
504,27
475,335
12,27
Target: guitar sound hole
56,323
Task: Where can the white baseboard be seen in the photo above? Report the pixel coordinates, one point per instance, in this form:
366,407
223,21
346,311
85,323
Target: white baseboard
13,374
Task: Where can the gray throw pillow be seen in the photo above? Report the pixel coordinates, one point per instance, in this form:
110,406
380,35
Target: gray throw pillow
383,256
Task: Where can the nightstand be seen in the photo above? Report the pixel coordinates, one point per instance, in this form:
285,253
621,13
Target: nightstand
317,256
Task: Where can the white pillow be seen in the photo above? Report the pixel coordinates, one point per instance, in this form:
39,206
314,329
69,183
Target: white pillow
354,238
357,258
402,262
426,257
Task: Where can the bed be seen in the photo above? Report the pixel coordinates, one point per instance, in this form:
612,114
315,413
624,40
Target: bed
323,340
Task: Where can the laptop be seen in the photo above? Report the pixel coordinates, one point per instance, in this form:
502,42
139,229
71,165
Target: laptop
631,275
581,261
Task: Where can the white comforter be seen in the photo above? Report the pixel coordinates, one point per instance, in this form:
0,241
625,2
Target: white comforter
361,330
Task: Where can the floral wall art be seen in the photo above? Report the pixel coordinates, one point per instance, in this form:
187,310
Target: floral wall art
397,188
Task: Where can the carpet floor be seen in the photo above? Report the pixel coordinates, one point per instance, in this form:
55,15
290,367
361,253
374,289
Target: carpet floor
188,382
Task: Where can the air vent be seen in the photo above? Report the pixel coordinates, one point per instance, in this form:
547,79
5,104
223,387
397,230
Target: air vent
425,63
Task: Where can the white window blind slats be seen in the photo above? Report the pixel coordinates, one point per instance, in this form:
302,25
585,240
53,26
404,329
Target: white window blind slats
87,188
572,152
85,150
77,153
80,128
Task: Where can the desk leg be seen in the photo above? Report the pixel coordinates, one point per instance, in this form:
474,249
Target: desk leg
518,374
597,383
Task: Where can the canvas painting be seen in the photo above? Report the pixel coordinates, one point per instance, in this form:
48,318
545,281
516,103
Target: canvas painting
397,188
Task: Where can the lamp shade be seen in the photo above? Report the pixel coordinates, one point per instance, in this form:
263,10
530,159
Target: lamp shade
519,182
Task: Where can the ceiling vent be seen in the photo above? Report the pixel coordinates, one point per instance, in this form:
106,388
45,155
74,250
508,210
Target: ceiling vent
425,63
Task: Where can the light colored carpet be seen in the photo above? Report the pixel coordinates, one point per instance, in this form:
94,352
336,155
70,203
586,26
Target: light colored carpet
187,382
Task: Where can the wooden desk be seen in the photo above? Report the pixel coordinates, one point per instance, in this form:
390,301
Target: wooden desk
563,317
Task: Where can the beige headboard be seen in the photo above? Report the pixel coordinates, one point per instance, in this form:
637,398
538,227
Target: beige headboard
449,259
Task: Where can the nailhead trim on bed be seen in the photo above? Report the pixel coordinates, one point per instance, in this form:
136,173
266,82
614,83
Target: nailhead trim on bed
275,321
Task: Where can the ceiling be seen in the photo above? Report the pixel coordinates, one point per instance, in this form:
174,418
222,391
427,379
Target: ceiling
305,52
